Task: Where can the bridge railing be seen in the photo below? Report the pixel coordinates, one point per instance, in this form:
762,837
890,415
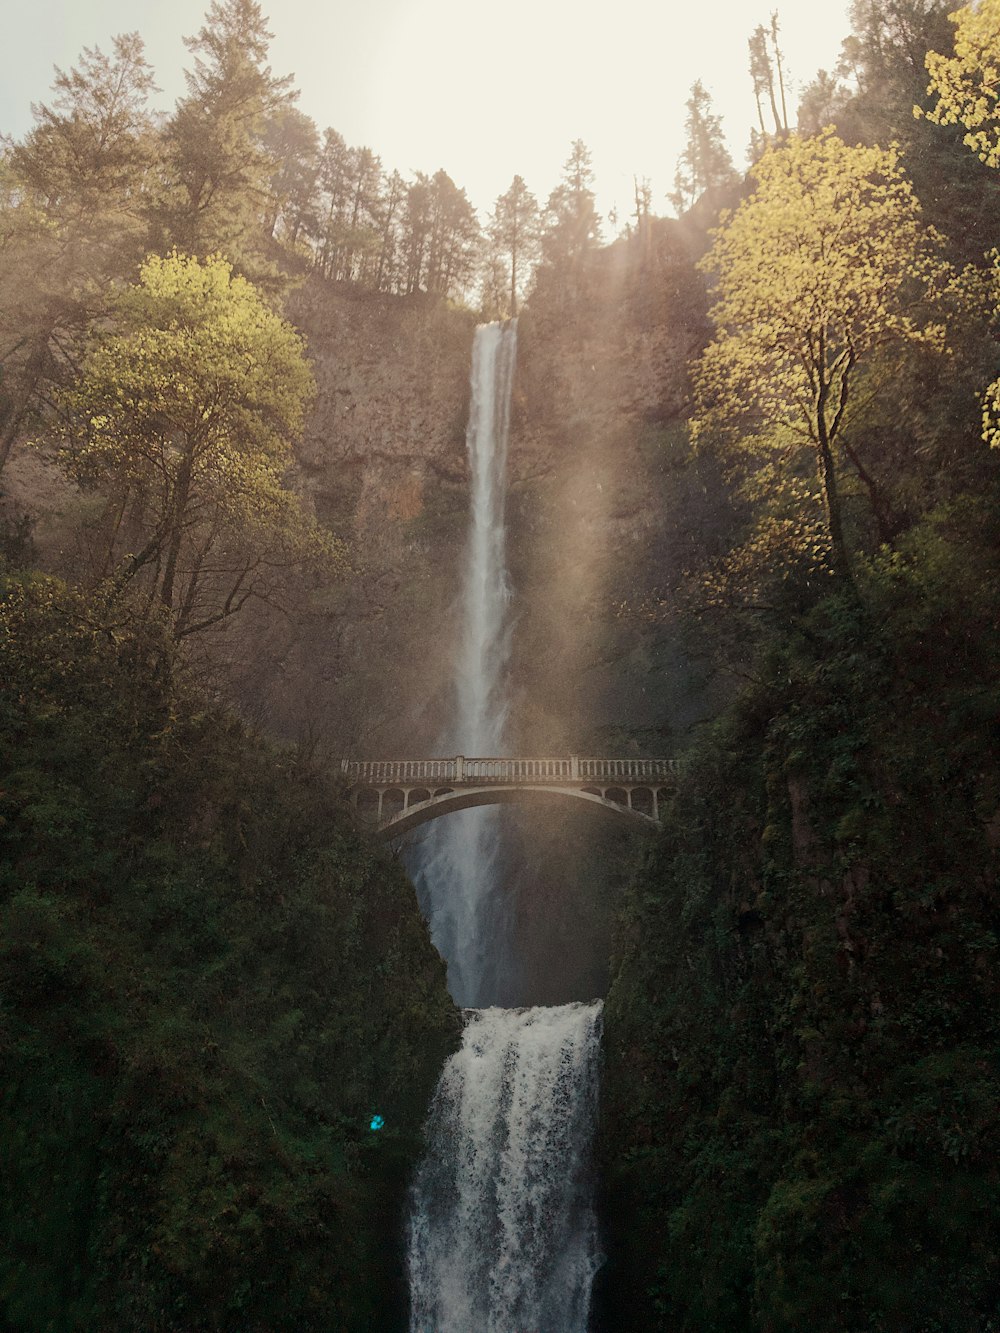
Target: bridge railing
409,772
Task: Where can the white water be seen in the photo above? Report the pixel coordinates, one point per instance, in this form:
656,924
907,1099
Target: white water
456,863
502,1233
503,1237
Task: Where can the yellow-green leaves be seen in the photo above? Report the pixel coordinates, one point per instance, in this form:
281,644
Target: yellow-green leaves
825,262
184,415
967,85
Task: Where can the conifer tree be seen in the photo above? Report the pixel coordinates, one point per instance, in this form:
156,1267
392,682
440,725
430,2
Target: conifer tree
767,76
292,142
218,167
514,236
572,225
71,200
705,161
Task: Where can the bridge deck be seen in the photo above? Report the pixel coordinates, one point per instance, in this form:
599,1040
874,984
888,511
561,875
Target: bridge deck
573,769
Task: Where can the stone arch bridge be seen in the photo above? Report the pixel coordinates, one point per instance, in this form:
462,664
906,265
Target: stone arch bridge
399,795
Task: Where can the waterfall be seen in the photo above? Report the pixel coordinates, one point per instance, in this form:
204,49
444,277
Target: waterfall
455,866
502,1233
503,1237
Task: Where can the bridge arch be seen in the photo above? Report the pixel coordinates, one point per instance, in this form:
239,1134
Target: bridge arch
422,812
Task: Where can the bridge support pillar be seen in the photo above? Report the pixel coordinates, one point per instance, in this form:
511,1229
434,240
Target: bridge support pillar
574,767
460,768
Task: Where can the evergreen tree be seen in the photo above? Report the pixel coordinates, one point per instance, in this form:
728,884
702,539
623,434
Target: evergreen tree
885,60
514,237
705,161
292,142
822,102
71,199
572,227
218,167
334,191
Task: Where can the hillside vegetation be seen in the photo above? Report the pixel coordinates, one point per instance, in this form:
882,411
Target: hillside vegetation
210,986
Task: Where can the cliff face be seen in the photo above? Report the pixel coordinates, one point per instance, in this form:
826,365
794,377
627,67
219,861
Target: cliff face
599,482
598,475
382,464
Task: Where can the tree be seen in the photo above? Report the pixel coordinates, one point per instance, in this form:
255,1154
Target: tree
705,161
891,40
885,59
572,226
218,166
967,85
514,236
824,264
292,143
71,220
183,418
441,236
822,101
767,75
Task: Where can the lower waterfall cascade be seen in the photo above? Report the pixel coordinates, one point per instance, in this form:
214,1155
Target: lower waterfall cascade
502,1234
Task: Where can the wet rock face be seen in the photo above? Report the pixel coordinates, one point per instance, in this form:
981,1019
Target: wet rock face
601,382
599,474
392,377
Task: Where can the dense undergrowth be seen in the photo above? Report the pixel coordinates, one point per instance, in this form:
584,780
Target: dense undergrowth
801,1122
210,984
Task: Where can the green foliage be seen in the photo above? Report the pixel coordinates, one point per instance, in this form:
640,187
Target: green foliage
514,234
217,165
966,84
826,263
71,223
705,163
801,1097
183,416
570,224
208,984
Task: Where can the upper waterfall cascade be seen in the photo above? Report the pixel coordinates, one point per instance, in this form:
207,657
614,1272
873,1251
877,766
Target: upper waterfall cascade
456,869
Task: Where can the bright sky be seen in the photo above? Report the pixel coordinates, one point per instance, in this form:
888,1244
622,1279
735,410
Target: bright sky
485,92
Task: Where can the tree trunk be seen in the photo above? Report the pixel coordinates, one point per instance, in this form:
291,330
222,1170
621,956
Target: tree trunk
182,495
21,403
827,473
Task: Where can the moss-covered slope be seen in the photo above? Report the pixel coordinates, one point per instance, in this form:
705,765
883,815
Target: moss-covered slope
801,1121
209,986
